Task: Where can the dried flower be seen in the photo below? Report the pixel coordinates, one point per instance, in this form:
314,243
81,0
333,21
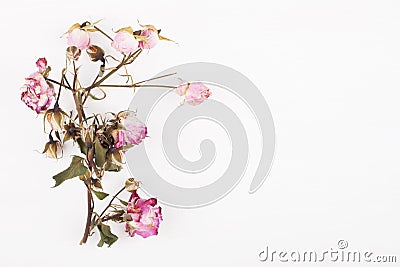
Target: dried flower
78,37
37,93
151,39
194,93
144,216
131,131
131,185
124,41
53,149
95,53
41,63
71,132
116,156
73,53
56,118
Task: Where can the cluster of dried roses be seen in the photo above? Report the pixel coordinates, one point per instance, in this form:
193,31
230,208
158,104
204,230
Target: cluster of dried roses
102,139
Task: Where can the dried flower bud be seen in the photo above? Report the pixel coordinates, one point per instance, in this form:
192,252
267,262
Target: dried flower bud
71,132
53,149
131,185
73,53
88,134
116,156
95,53
56,118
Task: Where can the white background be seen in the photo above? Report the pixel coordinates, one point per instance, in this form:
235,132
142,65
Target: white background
329,71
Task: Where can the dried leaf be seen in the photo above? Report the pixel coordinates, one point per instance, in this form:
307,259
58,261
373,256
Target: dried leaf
106,236
100,195
100,153
75,169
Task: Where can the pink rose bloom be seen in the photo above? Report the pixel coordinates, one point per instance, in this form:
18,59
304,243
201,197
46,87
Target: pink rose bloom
41,63
79,38
37,93
194,93
125,42
132,131
144,216
151,39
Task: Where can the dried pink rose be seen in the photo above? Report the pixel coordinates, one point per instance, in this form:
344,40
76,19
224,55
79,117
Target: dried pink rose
36,92
194,93
41,63
125,42
79,38
144,216
151,39
132,131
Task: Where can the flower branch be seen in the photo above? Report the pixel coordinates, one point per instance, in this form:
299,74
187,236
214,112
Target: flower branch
102,139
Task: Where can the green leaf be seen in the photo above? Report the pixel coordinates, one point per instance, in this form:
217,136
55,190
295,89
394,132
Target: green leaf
82,145
111,167
106,236
100,153
75,169
100,195
123,202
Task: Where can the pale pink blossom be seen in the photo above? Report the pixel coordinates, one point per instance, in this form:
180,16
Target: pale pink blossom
151,39
131,130
194,93
79,38
125,42
144,216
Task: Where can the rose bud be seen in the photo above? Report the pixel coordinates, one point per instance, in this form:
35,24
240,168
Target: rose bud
150,39
71,132
131,185
150,36
116,156
73,53
194,93
53,149
95,53
56,118
88,134
41,63
124,41
78,36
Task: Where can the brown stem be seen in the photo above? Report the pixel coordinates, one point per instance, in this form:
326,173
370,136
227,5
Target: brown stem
106,208
105,34
89,216
137,85
109,204
81,116
126,60
58,83
79,108
156,85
